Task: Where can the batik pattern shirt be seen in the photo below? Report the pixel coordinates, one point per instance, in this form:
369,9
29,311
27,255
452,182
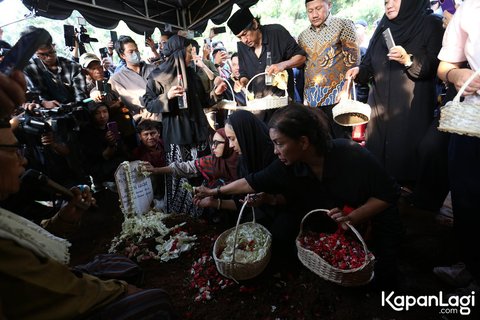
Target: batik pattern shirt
331,51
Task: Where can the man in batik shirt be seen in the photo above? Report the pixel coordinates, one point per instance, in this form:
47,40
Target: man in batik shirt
332,49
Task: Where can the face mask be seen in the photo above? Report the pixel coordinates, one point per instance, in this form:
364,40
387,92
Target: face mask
134,58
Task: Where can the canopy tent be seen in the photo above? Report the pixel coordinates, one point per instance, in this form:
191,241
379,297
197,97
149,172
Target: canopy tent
141,15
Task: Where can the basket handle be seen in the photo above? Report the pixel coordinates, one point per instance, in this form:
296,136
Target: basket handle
236,227
351,82
357,234
465,85
259,74
231,89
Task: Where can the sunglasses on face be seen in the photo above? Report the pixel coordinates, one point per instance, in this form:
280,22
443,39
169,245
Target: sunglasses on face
19,148
215,143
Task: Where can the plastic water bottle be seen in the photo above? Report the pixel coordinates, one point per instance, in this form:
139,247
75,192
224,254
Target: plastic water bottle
182,101
268,78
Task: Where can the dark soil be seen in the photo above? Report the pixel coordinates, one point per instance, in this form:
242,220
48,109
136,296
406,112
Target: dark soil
296,293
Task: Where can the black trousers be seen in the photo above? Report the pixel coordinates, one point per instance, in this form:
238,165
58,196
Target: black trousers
464,171
432,184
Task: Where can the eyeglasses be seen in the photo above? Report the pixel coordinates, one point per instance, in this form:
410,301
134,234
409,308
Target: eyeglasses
215,143
20,149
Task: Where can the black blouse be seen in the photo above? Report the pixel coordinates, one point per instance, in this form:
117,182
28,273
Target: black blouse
351,176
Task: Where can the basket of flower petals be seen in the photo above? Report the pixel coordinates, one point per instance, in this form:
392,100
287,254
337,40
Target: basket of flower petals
337,257
243,252
280,80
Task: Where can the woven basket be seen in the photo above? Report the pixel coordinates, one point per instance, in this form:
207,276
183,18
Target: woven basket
238,270
228,104
350,112
265,103
461,117
347,278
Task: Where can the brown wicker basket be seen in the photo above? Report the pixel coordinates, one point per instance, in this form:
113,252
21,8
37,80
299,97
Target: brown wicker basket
238,270
350,112
461,117
347,278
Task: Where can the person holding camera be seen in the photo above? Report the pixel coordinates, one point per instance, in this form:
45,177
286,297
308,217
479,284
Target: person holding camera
55,80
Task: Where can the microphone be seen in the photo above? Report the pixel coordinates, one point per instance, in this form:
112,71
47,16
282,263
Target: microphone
38,179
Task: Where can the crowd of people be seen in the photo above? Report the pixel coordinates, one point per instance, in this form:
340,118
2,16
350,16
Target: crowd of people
77,121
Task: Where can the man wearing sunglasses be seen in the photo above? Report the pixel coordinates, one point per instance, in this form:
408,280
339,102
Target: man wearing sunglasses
55,80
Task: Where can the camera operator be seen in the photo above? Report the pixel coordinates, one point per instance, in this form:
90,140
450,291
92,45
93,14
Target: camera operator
56,80
50,145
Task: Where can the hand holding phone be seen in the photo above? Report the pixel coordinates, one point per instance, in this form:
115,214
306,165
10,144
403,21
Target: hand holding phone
103,52
448,5
113,127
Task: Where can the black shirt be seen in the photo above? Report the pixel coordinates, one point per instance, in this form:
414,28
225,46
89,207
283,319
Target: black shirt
351,176
277,40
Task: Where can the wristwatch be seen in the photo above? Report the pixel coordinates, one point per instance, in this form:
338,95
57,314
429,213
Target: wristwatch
409,63
217,65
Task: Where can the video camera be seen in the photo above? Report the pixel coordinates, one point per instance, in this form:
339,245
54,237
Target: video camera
63,120
80,35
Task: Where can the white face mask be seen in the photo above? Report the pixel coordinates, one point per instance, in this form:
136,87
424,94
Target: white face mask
134,58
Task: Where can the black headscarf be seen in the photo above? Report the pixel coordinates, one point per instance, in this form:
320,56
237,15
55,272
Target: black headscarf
254,141
174,51
407,24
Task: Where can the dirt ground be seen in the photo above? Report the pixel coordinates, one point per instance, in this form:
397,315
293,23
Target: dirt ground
293,294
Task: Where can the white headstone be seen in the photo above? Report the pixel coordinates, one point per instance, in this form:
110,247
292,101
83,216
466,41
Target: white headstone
135,193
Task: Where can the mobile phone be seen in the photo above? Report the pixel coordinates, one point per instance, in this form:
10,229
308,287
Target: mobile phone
103,86
69,35
219,30
448,5
103,52
19,55
208,41
113,127
387,35
147,36
113,36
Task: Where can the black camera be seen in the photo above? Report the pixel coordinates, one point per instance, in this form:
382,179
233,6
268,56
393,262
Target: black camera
34,126
3,51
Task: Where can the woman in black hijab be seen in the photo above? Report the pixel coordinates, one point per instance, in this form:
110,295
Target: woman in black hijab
403,93
175,90
252,142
